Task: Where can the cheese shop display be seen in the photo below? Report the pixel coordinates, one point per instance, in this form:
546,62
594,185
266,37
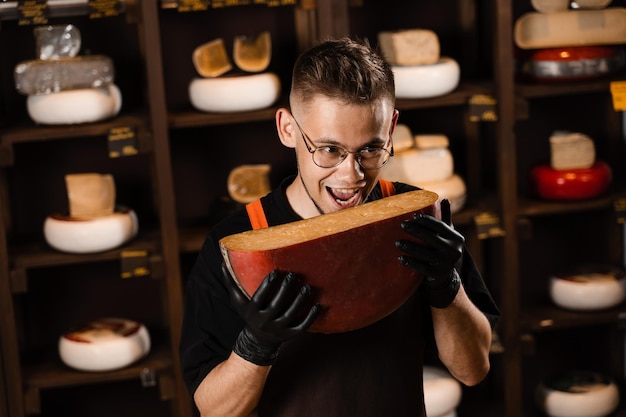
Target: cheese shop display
573,173
577,393
94,223
349,284
569,41
425,161
419,69
218,89
63,87
589,288
104,344
442,393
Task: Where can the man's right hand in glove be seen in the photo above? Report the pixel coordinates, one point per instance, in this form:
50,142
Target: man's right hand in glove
278,311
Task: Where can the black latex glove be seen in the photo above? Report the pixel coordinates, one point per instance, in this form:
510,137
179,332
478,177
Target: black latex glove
275,313
435,255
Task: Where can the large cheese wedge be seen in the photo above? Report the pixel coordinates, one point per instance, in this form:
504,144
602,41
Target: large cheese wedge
409,46
426,81
104,345
235,93
577,393
75,106
535,30
348,257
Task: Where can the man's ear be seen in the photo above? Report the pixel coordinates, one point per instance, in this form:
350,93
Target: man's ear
286,128
394,121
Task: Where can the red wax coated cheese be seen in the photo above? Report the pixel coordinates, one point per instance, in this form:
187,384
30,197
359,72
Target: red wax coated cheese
348,257
571,184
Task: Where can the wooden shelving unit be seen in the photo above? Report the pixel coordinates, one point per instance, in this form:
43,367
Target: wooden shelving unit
177,183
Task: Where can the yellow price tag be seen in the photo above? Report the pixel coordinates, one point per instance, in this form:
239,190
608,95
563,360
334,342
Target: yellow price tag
618,92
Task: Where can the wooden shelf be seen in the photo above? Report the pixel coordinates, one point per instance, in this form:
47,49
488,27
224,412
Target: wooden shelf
536,90
531,207
542,318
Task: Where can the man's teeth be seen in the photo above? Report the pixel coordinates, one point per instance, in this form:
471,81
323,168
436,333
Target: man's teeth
344,196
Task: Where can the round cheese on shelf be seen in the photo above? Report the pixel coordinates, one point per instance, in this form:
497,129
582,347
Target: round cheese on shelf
234,93
578,394
442,393
105,344
593,289
90,235
535,30
402,138
452,188
75,106
426,81
247,183
572,63
415,166
570,184
550,6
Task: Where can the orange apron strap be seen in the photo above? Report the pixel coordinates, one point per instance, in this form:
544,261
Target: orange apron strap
256,215
387,188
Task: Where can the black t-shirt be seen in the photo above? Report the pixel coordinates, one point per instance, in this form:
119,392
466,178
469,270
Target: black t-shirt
373,371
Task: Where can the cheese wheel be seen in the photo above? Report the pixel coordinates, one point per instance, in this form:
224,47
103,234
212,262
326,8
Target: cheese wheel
415,166
590,4
550,6
593,289
74,235
104,345
75,106
570,184
442,393
335,254
425,81
234,94
577,394
452,188
572,63
409,46
402,138
536,30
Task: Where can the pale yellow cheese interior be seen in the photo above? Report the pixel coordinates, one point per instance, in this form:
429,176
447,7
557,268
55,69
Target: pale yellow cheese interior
316,227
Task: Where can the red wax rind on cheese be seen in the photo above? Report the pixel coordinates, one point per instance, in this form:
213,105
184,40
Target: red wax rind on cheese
349,258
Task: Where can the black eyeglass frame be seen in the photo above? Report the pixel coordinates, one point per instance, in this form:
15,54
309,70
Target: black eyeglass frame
312,149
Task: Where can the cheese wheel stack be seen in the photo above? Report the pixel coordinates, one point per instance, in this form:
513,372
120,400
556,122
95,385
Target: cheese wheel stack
419,69
426,162
573,173
217,90
565,40
63,87
94,223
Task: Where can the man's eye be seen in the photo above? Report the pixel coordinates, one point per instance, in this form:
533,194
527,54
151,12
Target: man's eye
370,151
331,150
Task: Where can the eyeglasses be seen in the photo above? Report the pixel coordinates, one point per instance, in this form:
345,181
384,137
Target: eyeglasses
330,156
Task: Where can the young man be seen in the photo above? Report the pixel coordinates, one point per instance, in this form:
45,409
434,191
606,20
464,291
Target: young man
242,356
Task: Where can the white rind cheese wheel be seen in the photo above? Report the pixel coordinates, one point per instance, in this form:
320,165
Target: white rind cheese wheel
452,188
425,81
75,106
588,291
590,4
536,30
234,94
97,234
105,345
578,394
442,393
